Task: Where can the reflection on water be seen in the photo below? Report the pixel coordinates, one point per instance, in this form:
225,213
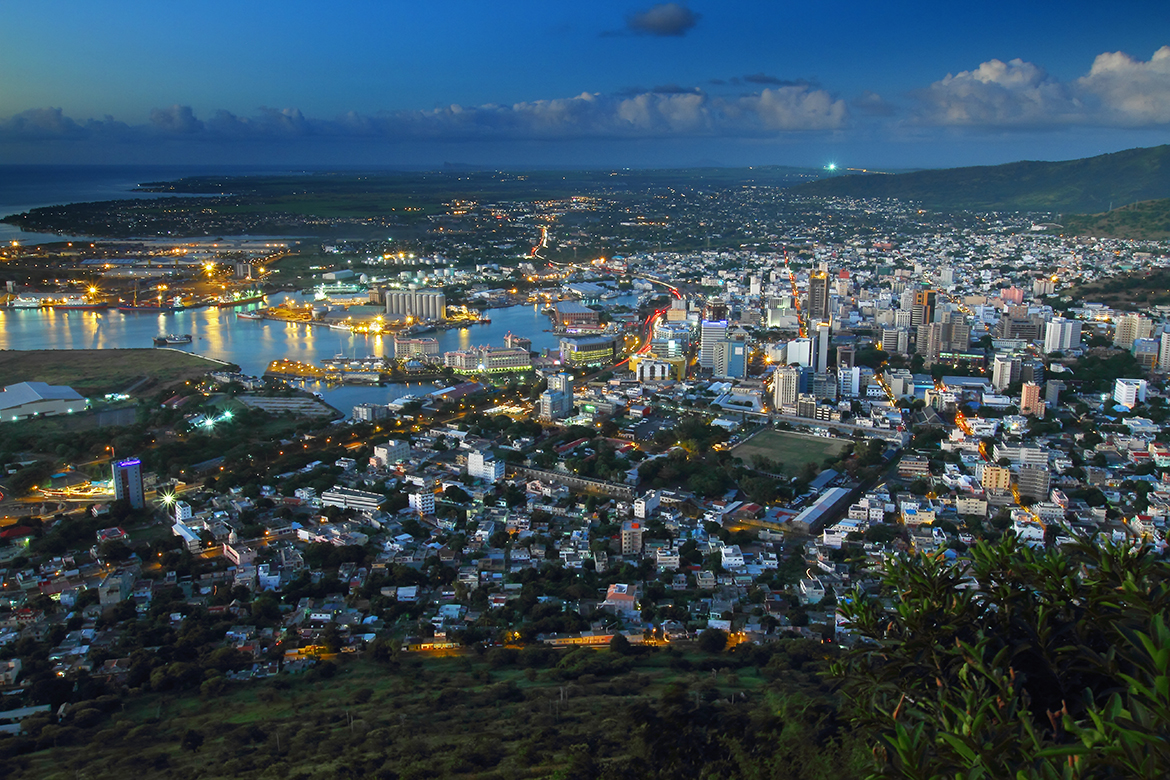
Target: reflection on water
253,344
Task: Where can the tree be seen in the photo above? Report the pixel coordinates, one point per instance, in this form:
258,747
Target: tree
713,640
1019,662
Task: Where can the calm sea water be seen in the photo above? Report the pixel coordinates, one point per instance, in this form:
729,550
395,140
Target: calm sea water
217,333
253,344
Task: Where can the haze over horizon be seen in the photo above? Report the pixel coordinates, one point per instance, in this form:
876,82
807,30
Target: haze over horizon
632,83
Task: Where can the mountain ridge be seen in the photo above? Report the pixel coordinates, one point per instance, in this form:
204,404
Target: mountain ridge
1088,185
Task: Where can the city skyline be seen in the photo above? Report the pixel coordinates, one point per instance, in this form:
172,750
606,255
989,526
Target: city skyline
617,84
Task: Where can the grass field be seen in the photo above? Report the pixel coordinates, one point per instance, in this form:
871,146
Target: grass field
791,449
95,371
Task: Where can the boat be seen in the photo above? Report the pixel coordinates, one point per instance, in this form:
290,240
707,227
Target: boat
172,338
239,297
77,302
27,302
249,315
157,307
145,308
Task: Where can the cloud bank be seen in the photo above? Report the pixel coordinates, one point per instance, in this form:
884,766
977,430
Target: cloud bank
1118,91
667,112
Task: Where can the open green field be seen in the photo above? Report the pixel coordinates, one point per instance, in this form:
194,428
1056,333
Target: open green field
791,449
96,371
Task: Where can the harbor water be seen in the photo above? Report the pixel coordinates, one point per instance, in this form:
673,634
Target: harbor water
253,344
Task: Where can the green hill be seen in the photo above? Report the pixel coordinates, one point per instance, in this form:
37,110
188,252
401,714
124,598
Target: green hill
1091,185
1148,219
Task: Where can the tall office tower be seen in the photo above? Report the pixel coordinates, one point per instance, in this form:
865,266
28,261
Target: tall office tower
818,296
1130,327
957,333
1061,334
561,383
925,303
730,360
710,332
801,352
823,337
128,482
894,340
755,285
906,300
1030,403
1164,352
846,354
1006,370
824,385
785,387
930,341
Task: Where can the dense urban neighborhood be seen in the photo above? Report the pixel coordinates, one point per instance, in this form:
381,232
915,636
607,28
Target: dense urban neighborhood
724,448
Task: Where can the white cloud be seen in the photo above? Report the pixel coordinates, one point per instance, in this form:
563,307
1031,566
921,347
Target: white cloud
1130,91
586,116
1119,90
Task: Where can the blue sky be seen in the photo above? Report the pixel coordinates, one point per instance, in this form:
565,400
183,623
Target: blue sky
378,82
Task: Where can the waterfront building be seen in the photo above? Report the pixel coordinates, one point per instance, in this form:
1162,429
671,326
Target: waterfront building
423,305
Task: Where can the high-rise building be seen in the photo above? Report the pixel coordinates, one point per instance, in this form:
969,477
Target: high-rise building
1146,351
785,387
846,355
128,482
1030,403
1129,392
1131,327
1062,334
632,537
1052,390
1005,371
710,332
483,465
731,359
422,500
1164,352
822,351
801,352
557,401
1034,481
818,296
925,303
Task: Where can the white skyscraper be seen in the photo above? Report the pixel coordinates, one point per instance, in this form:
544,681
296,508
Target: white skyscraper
1062,334
709,335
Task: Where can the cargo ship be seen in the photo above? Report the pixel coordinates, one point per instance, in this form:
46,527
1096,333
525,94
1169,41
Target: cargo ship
158,306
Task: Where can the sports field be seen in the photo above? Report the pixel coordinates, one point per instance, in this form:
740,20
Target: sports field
791,449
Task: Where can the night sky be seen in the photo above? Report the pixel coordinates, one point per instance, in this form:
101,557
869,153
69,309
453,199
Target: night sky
549,83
